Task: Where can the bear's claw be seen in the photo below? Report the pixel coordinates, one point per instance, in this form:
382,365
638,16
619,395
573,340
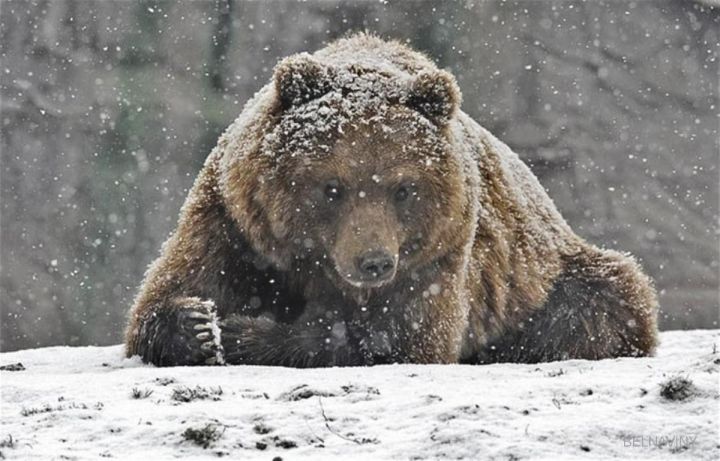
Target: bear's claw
204,335
208,346
198,315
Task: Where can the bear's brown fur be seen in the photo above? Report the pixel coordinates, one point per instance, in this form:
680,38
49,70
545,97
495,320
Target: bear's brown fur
353,214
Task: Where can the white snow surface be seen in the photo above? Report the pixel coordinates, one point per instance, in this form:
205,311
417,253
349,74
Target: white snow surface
77,403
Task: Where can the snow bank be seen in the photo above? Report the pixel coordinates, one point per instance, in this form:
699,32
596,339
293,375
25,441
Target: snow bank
90,402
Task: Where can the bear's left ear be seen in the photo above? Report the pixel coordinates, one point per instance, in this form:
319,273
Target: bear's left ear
299,79
435,95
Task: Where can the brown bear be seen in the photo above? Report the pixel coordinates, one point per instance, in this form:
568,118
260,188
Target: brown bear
353,214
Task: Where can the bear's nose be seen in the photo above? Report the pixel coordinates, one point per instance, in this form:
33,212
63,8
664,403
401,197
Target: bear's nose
376,265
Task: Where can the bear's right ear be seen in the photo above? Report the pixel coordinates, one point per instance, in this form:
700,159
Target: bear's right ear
299,79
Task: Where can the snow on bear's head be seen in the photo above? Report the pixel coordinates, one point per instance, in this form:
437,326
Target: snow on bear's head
356,172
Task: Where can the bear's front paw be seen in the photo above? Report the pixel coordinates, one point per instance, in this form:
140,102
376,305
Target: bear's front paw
201,333
182,336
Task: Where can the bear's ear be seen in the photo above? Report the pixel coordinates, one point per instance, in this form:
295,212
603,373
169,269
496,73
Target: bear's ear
435,95
299,79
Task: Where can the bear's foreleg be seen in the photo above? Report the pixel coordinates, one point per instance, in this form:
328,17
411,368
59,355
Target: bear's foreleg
427,328
437,336
601,306
262,341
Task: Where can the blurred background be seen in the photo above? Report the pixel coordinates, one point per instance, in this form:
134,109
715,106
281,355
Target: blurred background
110,107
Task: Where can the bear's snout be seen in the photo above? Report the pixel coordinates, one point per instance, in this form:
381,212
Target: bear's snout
366,248
376,265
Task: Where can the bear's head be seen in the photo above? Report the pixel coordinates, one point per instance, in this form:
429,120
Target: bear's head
356,176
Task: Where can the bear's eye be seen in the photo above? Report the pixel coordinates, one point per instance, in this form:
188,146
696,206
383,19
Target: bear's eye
402,193
333,191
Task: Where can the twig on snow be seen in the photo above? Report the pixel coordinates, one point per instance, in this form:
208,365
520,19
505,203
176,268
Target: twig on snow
333,431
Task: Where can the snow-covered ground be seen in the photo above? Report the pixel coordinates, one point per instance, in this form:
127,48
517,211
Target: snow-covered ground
90,402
